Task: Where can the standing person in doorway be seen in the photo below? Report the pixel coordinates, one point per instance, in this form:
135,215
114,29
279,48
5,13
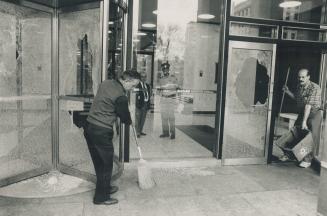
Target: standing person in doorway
308,104
142,104
168,102
109,103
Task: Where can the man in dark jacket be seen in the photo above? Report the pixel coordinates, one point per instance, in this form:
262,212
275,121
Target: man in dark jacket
142,104
109,103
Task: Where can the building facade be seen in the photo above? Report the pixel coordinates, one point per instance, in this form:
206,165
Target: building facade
230,60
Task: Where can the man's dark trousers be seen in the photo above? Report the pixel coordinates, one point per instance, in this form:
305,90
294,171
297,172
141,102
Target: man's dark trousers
140,115
99,142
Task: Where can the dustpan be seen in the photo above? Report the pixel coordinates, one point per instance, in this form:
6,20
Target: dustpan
304,147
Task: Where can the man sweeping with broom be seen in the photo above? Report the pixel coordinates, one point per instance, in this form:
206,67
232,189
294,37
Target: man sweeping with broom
109,103
308,104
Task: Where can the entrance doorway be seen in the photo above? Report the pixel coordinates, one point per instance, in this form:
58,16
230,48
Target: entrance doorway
256,74
290,59
180,58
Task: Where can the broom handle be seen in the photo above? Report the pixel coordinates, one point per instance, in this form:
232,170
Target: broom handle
282,101
135,137
137,143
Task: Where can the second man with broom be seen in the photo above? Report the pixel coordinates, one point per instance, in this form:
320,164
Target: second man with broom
308,103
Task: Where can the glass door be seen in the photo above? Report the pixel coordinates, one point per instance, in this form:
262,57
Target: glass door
249,90
82,31
25,92
79,76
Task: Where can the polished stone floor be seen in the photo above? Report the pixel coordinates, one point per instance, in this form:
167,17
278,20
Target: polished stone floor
276,190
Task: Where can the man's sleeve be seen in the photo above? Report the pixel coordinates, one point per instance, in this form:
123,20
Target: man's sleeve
121,107
315,98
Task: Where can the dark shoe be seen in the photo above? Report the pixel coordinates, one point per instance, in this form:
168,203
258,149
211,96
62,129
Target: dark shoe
113,189
143,134
110,201
138,135
163,135
172,136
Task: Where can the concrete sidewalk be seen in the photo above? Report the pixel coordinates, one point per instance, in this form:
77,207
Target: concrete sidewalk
276,190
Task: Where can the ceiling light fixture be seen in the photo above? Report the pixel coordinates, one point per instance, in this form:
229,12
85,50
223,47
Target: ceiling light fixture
148,25
290,4
206,16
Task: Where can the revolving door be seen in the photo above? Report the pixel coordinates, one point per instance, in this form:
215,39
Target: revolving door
52,60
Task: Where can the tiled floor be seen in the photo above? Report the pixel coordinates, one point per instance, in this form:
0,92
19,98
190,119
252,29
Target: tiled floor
258,190
181,147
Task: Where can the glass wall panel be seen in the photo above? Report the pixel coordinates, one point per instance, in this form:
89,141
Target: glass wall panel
79,77
182,106
25,90
310,11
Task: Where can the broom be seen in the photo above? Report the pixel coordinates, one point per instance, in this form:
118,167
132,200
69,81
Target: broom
145,179
282,101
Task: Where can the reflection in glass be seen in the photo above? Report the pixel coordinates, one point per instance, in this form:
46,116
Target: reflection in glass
116,38
311,11
253,30
84,81
291,33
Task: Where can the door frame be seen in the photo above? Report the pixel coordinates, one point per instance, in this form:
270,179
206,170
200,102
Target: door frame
261,46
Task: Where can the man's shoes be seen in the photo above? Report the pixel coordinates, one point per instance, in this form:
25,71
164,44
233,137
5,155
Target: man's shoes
143,134
304,164
163,135
110,201
284,158
138,135
172,136
113,189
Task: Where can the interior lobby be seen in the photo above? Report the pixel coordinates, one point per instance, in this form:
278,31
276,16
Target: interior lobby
230,60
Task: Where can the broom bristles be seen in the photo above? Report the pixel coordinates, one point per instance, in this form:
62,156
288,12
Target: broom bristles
143,170
144,175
